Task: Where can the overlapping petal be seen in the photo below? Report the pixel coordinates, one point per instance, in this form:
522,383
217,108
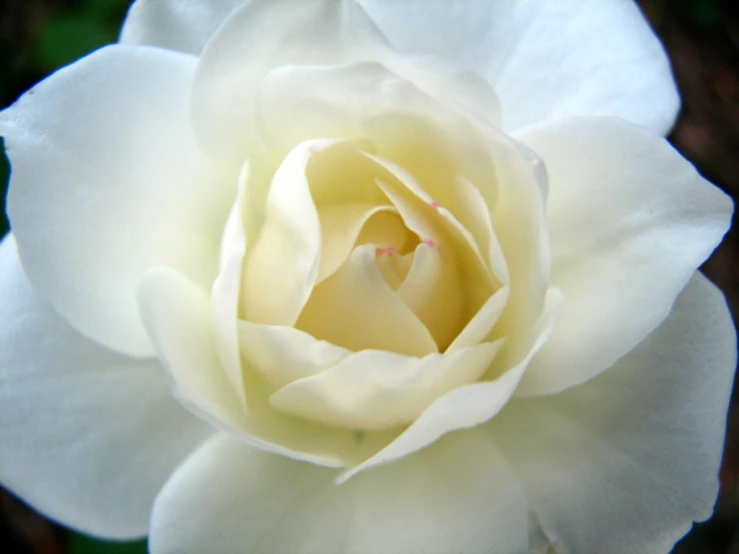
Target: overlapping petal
176,25
466,406
259,36
179,318
392,273
356,309
630,222
626,462
119,158
87,436
376,390
458,495
282,265
546,60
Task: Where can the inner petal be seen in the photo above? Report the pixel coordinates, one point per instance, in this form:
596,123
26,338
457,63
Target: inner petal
393,266
432,289
422,218
341,226
387,230
356,309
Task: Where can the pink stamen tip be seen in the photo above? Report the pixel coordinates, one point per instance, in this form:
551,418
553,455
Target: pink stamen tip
388,250
435,205
430,242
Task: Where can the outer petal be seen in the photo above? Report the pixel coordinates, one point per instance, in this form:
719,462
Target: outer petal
456,496
261,35
465,407
626,462
88,437
107,181
630,221
176,25
179,318
546,60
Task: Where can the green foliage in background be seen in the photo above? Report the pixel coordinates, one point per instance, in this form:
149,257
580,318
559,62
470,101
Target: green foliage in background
79,544
40,36
70,34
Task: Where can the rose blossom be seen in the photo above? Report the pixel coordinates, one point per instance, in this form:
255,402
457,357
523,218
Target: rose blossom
319,276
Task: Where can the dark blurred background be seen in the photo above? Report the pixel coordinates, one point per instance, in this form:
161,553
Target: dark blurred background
702,38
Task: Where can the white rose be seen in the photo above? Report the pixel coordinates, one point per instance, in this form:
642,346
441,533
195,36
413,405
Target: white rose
439,296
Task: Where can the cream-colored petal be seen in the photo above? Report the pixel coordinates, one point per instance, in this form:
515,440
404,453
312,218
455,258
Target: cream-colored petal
466,406
394,266
519,224
341,174
481,325
272,430
224,296
386,230
434,291
281,267
421,218
357,310
438,214
341,226
282,355
474,213
178,317
437,148
373,390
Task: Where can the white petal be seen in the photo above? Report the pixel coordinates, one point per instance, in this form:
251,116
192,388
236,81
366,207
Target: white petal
282,265
87,436
106,182
363,98
440,228
414,201
374,390
456,496
434,290
518,220
176,25
261,35
340,228
626,462
483,322
226,290
357,310
466,406
179,318
630,222
284,354
546,60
